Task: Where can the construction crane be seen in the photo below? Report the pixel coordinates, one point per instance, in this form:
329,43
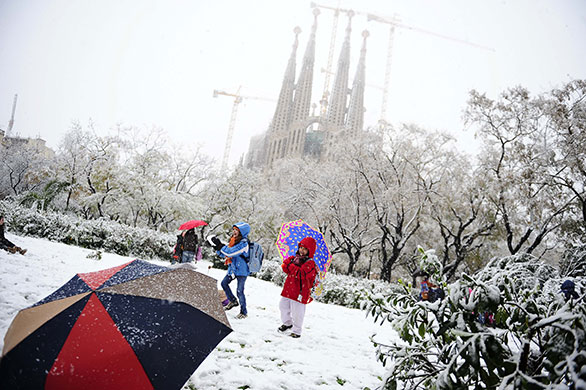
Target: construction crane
11,121
237,100
393,23
328,71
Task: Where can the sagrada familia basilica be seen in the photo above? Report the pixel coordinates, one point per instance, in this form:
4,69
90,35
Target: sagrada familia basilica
296,131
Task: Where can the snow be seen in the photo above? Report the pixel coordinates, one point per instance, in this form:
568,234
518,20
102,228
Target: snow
334,350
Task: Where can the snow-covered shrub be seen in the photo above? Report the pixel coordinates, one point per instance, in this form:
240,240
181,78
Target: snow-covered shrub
430,263
101,234
271,271
536,340
351,291
573,263
341,290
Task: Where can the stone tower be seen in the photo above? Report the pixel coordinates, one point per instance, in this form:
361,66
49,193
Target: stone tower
336,114
277,134
302,99
355,118
287,135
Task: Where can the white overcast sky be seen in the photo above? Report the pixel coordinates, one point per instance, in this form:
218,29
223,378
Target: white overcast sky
156,63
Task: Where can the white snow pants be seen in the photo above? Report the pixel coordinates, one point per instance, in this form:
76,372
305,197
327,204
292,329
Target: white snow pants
292,313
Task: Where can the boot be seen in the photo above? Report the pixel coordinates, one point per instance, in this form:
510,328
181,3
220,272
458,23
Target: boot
20,250
284,328
12,249
231,305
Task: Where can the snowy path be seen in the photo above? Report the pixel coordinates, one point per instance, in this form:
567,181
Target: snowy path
334,351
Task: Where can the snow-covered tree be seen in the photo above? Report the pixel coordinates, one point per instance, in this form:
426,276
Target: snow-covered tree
460,212
573,263
563,160
72,158
351,211
243,195
131,176
44,198
507,327
515,129
23,167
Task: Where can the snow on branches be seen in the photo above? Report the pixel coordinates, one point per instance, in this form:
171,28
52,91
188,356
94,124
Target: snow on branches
507,327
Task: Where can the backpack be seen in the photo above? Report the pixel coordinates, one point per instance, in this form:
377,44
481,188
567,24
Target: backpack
255,257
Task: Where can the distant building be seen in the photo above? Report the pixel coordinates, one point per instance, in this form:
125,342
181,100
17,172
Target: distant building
291,132
37,145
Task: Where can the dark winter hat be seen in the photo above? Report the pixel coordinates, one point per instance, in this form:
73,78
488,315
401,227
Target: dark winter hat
309,244
243,227
568,285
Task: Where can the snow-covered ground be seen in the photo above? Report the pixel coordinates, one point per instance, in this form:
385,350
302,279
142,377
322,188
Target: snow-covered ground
334,352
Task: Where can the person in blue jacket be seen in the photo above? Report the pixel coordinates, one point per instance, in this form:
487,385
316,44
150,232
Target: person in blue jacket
236,255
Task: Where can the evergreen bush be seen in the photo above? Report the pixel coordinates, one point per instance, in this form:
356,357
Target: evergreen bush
100,234
341,290
537,340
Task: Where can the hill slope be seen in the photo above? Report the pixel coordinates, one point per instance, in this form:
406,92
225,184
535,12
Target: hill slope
334,351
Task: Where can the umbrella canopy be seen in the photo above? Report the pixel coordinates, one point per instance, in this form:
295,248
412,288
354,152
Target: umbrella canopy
135,326
192,224
293,232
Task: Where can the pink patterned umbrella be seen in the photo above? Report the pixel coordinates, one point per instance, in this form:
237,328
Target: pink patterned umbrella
293,232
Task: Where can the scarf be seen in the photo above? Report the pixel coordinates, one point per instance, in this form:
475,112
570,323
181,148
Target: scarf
299,260
233,241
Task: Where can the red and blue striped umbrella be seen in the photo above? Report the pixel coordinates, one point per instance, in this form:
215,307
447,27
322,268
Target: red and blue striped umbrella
135,326
293,232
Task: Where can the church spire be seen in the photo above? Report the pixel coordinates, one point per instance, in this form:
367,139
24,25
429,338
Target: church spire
276,142
282,116
355,118
302,99
337,108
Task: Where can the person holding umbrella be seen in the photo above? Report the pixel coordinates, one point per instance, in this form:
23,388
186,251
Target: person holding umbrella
236,255
187,242
301,273
189,245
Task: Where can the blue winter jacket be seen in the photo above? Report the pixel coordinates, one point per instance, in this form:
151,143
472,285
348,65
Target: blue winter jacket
238,253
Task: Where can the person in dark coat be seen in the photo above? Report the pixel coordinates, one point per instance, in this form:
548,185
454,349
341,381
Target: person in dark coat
301,273
189,246
569,290
427,289
6,244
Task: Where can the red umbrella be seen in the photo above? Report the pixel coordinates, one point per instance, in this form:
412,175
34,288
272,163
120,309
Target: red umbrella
192,224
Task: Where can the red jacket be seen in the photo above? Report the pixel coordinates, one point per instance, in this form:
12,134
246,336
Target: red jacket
299,280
